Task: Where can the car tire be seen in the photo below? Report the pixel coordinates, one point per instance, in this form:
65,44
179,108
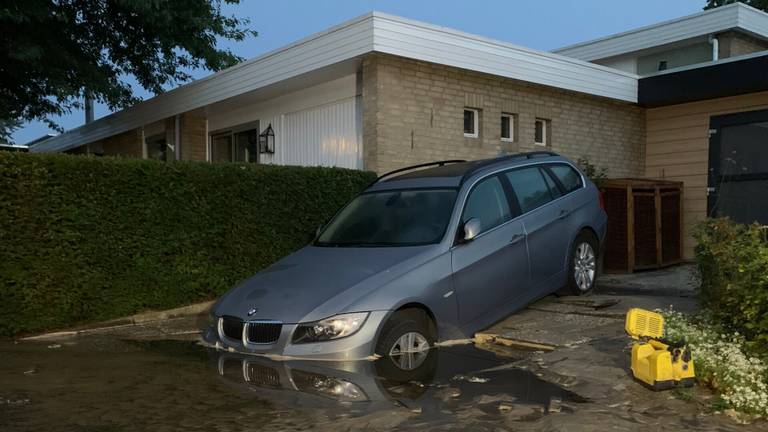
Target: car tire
406,327
582,265
399,384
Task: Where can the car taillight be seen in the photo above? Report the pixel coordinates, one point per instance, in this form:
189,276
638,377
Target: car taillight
602,200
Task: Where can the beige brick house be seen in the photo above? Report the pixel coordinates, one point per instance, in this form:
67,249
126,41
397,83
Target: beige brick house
381,92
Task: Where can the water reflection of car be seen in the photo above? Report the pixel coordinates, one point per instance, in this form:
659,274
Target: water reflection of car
436,253
371,385
364,381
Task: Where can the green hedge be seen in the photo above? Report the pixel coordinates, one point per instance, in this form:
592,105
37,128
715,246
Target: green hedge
733,263
86,239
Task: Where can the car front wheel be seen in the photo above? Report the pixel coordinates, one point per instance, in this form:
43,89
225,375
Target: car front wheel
406,339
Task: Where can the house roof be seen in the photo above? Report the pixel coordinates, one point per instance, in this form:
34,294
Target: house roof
735,16
347,42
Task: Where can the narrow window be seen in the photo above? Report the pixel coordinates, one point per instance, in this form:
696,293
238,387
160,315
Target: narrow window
471,122
542,132
507,127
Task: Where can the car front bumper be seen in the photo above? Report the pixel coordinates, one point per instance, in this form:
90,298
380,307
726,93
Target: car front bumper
358,346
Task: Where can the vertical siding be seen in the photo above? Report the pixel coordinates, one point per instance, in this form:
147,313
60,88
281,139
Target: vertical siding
326,136
677,148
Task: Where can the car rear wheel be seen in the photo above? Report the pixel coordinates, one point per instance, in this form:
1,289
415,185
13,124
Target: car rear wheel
582,265
406,339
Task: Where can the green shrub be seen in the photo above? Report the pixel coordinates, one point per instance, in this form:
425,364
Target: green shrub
722,361
596,174
87,239
733,263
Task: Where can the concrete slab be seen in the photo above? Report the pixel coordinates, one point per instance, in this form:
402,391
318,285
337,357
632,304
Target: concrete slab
680,281
571,320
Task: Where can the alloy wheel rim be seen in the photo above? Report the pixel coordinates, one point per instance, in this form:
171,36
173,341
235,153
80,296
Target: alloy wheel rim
584,266
409,351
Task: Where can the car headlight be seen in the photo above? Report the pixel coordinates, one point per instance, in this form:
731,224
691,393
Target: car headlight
335,327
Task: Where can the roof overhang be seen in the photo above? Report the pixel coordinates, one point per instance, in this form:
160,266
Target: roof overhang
736,16
730,77
373,32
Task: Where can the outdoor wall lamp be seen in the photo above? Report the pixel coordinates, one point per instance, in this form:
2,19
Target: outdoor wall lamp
267,140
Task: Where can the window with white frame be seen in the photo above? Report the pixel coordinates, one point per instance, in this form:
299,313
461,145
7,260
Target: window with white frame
471,122
542,132
236,145
508,127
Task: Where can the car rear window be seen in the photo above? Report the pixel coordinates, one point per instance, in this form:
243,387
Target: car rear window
569,177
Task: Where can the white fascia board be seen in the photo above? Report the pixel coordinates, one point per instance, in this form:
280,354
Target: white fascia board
374,32
733,16
420,41
753,21
337,44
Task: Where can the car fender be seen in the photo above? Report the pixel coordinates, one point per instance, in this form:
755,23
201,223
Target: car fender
429,285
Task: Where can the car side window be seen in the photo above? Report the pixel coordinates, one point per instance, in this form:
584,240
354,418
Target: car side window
487,203
553,189
530,187
569,177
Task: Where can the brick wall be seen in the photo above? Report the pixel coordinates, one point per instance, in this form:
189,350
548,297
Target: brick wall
732,44
194,135
413,112
126,144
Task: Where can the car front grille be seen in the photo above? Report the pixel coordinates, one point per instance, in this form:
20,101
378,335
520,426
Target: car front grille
232,327
264,332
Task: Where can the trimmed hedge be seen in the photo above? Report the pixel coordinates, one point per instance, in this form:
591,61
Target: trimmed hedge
85,239
733,264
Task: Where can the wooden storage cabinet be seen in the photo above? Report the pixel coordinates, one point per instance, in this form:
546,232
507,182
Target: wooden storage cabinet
645,225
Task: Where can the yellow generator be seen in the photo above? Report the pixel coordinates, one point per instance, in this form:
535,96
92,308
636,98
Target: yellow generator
656,362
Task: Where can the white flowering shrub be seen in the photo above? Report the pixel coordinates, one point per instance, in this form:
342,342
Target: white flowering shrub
721,361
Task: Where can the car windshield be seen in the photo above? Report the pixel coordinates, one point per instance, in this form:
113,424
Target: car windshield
391,218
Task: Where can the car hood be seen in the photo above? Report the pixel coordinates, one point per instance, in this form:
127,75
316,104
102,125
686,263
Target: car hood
293,287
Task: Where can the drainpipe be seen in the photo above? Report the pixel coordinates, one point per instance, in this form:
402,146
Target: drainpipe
177,137
715,47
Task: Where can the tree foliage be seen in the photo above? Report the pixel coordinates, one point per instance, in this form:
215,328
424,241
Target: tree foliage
757,4
52,50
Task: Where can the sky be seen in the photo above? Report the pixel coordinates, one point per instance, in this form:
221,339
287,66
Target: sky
538,24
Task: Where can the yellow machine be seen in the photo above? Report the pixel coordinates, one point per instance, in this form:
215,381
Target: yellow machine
657,363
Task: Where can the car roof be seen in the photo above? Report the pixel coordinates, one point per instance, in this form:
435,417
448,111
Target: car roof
452,174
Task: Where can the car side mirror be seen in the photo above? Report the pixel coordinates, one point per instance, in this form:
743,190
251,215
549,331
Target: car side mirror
471,229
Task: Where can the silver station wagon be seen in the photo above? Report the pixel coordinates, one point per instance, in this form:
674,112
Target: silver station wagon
431,252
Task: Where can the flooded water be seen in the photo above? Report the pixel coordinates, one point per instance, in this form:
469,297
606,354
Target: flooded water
105,384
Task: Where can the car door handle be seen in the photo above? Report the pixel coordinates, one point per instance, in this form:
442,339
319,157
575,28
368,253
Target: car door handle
564,214
516,238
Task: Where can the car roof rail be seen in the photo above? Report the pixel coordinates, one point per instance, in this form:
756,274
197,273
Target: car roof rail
526,155
413,167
